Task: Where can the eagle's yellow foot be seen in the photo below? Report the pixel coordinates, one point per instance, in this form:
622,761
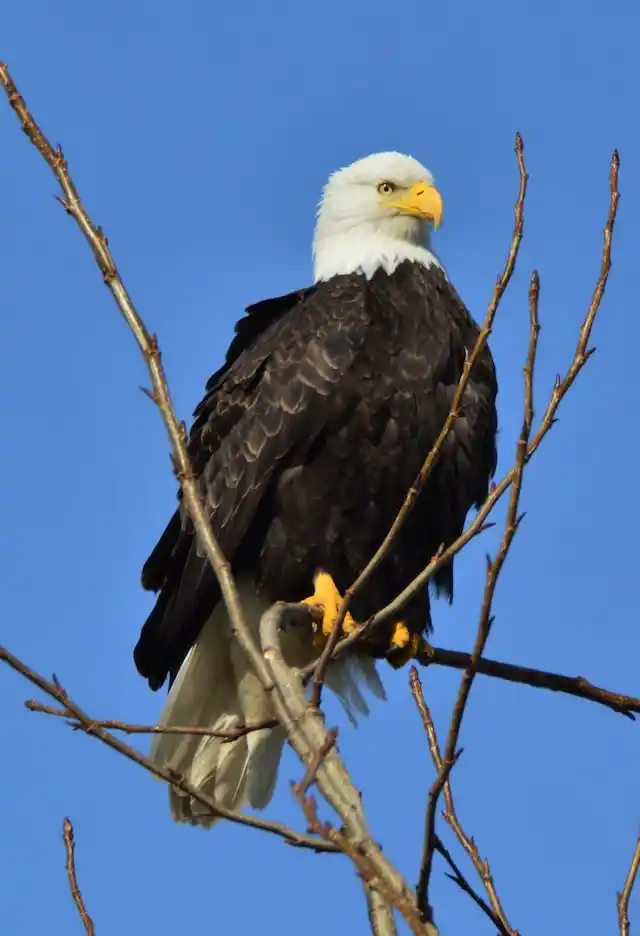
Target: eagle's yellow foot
327,597
404,646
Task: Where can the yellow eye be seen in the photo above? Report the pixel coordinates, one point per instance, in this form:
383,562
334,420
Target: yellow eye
386,188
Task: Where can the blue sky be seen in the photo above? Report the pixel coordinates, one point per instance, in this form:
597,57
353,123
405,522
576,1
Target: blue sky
199,137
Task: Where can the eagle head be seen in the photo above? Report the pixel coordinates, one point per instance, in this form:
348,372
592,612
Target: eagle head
375,213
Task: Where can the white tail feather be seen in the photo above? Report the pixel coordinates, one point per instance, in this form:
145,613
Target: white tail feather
217,689
264,760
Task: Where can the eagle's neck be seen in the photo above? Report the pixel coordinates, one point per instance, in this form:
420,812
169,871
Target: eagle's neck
366,248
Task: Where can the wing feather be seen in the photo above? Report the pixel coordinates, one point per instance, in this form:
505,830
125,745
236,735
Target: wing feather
284,378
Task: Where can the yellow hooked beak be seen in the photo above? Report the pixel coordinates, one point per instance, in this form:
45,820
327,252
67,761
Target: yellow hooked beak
422,201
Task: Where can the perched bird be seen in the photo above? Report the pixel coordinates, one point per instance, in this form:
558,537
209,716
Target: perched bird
305,445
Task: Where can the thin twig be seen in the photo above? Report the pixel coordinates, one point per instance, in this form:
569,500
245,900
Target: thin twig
458,878
482,867
441,779
69,844
301,789
493,572
456,407
112,725
90,727
625,894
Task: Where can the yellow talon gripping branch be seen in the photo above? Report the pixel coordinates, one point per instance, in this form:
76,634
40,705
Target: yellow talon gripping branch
404,646
327,597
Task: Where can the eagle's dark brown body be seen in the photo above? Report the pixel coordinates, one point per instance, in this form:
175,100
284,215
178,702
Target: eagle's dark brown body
307,441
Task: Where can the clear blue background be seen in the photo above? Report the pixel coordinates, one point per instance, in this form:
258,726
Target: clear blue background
199,135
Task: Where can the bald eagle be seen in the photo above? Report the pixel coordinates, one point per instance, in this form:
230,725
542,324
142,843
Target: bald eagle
305,445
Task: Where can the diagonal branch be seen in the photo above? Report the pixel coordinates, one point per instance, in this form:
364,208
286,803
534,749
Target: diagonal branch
317,749
456,407
150,350
486,620
458,878
69,844
524,451
576,686
113,725
53,689
381,918
561,388
482,867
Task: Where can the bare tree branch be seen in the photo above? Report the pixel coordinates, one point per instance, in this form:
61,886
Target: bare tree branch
148,345
482,867
486,620
316,747
458,878
456,407
160,394
576,686
300,789
524,451
381,918
69,844
625,895
113,725
379,896
562,386
54,689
